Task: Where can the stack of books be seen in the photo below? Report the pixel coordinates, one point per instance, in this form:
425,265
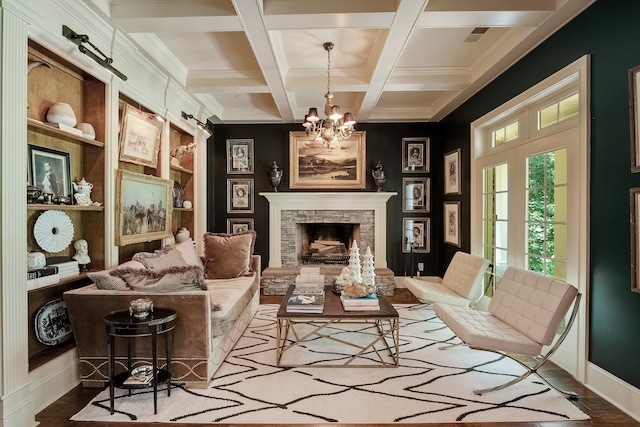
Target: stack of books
67,268
40,277
308,294
310,280
370,302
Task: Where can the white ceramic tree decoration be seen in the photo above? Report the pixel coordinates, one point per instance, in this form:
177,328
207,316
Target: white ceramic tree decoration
368,271
354,262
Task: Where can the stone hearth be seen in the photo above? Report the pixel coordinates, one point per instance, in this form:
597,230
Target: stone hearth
288,210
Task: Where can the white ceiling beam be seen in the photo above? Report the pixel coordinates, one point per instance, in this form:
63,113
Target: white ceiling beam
407,15
250,14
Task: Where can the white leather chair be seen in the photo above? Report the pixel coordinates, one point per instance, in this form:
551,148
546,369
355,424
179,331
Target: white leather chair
461,284
524,315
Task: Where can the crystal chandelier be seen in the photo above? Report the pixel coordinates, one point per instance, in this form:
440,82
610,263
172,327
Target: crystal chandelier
335,126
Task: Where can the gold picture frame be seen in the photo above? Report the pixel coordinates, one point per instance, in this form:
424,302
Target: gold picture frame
144,208
139,137
313,165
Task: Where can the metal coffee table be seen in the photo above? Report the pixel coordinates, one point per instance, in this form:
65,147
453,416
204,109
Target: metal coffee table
384,344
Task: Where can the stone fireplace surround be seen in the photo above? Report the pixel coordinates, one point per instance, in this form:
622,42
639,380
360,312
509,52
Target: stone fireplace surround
288,210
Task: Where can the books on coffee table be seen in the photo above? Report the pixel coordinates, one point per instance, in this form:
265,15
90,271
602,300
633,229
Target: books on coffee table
366,303
306,303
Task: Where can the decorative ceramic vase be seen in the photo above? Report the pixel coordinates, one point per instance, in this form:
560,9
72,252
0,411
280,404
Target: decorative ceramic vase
379,176
275,176
35,260
61,112
140,308
182,235
87,130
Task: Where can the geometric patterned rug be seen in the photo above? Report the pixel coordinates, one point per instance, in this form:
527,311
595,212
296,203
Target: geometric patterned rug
431,385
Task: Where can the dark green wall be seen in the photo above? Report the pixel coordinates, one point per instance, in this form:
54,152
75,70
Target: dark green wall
609,32
383,142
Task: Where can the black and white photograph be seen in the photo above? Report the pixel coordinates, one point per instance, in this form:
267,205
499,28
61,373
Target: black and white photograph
50,171
416,194
239,156
452,223
240,195
415,155
239,225
416,235
452,172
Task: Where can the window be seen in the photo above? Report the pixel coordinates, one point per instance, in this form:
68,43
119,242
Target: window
558,112
495,222
546,221
505,134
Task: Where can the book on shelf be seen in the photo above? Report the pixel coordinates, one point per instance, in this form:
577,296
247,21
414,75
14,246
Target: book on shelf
67,268
306,303
40,282
40,272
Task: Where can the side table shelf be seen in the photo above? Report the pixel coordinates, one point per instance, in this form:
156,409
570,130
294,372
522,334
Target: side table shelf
164,377
121,324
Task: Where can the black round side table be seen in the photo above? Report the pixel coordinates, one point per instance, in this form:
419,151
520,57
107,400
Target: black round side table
123,325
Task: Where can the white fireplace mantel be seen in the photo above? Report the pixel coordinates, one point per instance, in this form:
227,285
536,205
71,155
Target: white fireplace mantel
375,201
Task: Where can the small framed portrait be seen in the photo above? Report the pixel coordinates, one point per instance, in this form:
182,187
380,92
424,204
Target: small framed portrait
452,223
240,196
139,137
50,171
239,156
416,194
416,234
452,172
239,225
415,155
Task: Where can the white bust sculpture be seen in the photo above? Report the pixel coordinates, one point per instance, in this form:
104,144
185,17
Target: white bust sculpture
82,254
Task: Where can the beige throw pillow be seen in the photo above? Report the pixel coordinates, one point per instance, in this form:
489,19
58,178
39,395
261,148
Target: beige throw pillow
228,255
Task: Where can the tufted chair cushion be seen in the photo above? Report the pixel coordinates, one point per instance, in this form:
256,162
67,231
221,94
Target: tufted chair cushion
532,303
464,275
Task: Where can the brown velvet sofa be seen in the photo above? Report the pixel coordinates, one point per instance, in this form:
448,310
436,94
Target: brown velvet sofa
208,324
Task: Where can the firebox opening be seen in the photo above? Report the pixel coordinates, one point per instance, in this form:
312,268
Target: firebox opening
327,243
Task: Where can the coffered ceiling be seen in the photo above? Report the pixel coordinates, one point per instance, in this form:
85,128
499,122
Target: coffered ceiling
262,61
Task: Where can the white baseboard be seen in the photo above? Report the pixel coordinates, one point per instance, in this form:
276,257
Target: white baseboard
617,392
52,380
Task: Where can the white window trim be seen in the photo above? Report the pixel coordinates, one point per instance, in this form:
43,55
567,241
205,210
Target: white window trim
578,73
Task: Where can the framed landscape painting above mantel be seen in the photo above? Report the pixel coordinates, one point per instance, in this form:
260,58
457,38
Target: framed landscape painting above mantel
314,165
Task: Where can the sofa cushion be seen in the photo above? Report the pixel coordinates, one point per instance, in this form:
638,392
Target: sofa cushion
168,256
228,255
229,297
188,251
170,279
104,280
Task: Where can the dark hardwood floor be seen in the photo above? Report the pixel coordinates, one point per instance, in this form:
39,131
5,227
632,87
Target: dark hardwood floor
602,413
